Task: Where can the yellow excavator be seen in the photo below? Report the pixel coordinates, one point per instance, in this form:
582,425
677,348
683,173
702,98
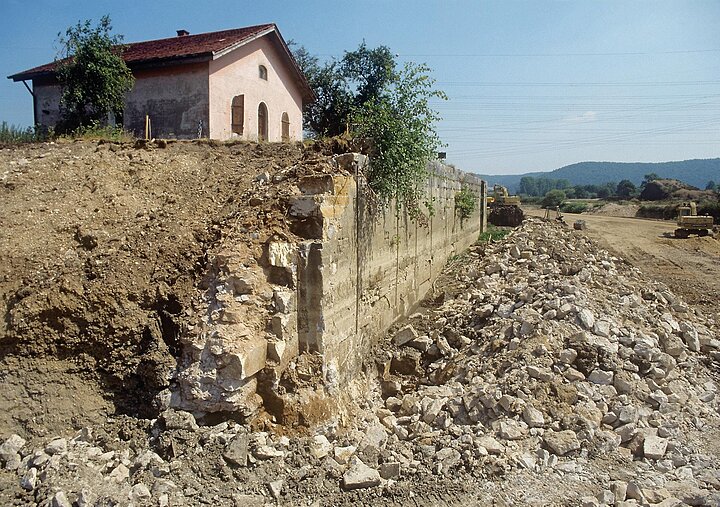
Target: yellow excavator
689,222
504,208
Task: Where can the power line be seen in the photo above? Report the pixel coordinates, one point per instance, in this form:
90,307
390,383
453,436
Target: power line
554,55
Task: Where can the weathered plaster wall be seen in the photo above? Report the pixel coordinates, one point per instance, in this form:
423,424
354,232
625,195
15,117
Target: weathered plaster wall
176,98
46,102
237,74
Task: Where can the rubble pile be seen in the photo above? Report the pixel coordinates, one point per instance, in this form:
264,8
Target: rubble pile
550,353
543,371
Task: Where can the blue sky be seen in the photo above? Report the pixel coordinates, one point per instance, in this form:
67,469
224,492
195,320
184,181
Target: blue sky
532,85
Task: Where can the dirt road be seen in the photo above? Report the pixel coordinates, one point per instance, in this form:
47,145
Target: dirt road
690,267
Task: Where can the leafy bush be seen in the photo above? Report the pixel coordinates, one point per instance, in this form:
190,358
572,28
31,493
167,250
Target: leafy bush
400,124
465,202
93,75
573,207
553,199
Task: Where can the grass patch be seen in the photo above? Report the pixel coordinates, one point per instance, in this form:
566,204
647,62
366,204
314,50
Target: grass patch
493,233
98,132
11,134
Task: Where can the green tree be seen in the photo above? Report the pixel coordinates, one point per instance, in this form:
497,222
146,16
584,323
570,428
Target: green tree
553,198
711,185
369,70
400,124
93,76
359,77
625,188
528,186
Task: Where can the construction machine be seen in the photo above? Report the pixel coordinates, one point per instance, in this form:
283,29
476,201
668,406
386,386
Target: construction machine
689,222
504,208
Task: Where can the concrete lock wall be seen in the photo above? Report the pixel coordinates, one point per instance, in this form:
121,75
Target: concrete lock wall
332,294
364,271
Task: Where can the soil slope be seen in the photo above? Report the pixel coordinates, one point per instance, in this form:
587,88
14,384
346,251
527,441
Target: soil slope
103,247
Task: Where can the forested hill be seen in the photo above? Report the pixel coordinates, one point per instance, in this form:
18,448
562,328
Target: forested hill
695,172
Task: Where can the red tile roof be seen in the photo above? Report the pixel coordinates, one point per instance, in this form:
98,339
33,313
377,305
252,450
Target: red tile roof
181,47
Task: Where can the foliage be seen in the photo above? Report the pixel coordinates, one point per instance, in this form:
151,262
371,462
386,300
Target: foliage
573,207
327,114
553,199
532,186
359,77
11,134
400,124
93,76
368,71
95,131
465,202
711,185
493,233
625,188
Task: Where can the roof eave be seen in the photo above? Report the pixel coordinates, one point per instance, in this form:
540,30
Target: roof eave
234,46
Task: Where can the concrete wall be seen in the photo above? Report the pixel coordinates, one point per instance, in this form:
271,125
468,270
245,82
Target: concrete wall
176,98
366,270
332,294
237,74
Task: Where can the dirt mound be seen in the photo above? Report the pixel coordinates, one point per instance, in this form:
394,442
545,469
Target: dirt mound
658,190
612,209
104,247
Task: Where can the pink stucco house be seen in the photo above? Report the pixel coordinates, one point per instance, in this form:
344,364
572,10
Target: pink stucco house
233,84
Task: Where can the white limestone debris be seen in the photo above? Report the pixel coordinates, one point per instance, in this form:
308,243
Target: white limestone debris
597,399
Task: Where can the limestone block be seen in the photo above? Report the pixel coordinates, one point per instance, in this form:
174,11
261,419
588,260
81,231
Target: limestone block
281,254
562,442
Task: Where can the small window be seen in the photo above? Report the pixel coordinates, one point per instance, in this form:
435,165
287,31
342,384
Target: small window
285,128
238,114
263,72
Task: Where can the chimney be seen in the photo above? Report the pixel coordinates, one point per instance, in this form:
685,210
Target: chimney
182,33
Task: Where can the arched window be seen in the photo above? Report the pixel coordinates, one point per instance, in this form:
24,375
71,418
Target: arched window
238,114
262,71
285,128
262,122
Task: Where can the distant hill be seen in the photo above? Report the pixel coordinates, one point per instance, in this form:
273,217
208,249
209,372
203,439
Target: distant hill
696,172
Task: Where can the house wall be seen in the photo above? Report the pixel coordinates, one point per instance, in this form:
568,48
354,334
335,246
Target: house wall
176,98
46,102
237,74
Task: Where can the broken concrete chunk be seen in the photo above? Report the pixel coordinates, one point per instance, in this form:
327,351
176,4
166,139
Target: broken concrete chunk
586,318
237,452
320,446
361,476
533,417
178,420
405,334
654,447
562,442
11,447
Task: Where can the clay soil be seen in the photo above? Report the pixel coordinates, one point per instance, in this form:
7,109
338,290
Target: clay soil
102,253
690,267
